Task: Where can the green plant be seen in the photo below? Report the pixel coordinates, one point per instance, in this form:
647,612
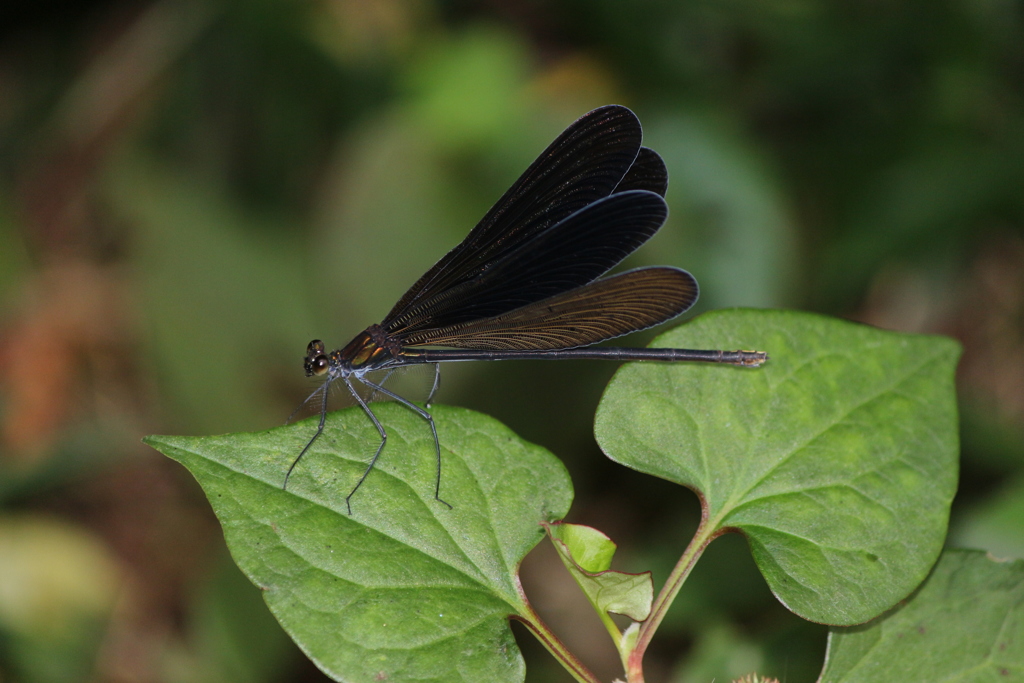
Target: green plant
837,461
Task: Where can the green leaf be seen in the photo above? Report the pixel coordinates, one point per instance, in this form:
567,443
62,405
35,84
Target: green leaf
584,546
404,589
60,585
587,554
966,623
837,459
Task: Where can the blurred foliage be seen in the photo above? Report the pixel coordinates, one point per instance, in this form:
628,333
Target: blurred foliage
190,190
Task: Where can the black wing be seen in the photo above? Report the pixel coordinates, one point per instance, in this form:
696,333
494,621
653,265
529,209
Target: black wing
607,308
570,254
587,162
648,172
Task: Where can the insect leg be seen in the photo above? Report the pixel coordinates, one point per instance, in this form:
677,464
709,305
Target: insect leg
383,438
437,383
319,429
433,430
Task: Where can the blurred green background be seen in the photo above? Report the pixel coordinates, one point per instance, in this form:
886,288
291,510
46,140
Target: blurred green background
191,190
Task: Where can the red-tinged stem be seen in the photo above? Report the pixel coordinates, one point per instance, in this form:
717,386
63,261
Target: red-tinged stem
549,640
635,667
634,670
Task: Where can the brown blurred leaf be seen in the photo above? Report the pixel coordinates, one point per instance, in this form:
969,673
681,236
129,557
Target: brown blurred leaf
73,327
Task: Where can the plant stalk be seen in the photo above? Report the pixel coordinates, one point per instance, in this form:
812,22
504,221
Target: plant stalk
529,618
667,594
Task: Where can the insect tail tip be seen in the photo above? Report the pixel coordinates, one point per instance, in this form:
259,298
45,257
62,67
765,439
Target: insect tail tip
752,359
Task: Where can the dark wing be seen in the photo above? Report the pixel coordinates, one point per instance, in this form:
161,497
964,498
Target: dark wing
570,254
607,308
648,172
585,163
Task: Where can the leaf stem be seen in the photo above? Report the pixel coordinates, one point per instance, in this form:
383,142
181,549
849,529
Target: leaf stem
675,581
613,630
529,618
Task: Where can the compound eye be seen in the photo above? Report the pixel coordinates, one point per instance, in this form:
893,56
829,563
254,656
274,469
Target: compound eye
318,365
315,348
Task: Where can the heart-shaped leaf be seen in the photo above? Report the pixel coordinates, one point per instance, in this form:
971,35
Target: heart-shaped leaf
404,589
837,459
966,623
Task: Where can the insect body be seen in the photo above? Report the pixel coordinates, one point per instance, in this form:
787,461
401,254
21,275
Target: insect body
526,282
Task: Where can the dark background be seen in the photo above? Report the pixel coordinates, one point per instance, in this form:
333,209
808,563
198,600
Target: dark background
190,191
